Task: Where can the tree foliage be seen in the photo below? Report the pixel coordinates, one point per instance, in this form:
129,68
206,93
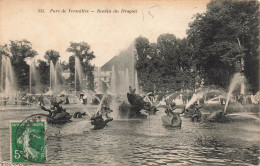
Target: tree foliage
19,51
52,55
42,68
224,35
165,65
82,51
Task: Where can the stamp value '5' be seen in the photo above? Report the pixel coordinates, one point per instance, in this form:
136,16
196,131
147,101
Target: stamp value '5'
28,141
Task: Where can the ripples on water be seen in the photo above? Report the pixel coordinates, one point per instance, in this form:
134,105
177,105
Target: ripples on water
143,142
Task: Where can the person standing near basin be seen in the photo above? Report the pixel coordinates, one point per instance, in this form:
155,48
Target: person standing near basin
5,100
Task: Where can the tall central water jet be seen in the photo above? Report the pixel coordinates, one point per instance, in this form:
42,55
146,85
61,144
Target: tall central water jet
8,85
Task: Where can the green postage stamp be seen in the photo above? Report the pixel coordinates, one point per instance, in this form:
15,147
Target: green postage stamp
28,142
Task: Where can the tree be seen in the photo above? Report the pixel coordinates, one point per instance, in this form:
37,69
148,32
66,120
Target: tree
52,55
44,76
20,50
4,50
65,65
82,51
224,35
142,64
164,65
42,68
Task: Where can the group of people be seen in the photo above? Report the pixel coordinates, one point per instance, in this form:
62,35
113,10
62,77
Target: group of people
23,100
4,100
245,99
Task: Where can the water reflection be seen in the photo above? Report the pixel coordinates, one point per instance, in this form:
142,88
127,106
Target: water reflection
144,142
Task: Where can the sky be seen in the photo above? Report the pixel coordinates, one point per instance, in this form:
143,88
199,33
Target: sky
106,33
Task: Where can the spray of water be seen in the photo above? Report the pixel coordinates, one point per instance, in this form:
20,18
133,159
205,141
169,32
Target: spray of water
8,83
136,83
56,78
34,80
200,94
100,104
126,80
244,113
78,73
113,81
238,79
122,82
247,115
52,76
91,95
99,87
195,97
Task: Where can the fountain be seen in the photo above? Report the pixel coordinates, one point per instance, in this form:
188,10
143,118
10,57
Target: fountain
58,78
78,74
52,76
136,83
200,94
126,81
55,77
34,80
8,84
121,81
219,115
97,120
123,76
238,79
193,111
99,87
91,95
113,82
195,97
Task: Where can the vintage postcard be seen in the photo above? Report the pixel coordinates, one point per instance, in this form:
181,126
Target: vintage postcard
127,82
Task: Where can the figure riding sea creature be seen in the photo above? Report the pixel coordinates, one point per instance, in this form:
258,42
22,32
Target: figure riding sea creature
57,114
194,112
98,121
171,118
136,103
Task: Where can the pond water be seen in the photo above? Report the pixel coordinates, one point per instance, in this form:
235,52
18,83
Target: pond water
142,142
